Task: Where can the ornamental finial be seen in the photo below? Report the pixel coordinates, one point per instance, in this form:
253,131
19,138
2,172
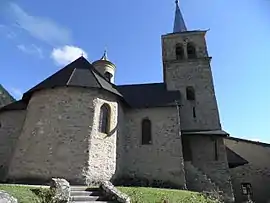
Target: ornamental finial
105,56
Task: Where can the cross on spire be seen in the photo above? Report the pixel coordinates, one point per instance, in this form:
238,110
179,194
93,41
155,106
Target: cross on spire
179,23
105,55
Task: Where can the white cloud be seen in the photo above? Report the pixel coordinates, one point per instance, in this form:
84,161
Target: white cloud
17,93
31,49
66,54
41,28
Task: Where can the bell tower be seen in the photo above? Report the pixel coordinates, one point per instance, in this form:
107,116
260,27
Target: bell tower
186,67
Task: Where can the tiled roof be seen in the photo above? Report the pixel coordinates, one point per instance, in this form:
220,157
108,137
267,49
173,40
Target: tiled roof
249,141
17,105
149,95
206,132
79,73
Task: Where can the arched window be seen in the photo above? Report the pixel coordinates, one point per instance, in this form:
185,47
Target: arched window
104,119
146,132
191,50
108,76
190,93
179,52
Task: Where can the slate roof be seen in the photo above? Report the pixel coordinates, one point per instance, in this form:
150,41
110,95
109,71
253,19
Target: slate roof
5,97
149,95
234,159
249,141
17,105
206,132
79,73
179,23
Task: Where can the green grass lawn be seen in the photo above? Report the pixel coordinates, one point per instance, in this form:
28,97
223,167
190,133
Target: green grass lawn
28,194
154,195
25,194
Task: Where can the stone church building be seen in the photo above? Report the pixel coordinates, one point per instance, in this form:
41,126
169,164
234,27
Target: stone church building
79,125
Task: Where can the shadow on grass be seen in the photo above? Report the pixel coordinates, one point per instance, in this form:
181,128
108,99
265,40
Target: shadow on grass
44,195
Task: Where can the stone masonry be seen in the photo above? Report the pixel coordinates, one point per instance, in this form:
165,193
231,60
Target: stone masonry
63,131
61,141
179,74
163,159
11,122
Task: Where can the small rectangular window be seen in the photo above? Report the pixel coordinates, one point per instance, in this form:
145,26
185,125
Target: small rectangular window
246,188
190,93
194,112
146,132
216,150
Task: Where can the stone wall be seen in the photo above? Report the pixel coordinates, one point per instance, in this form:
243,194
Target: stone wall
102,157
203,157
179,74
120,144
11,124
162,160
60,138
170,41
257,172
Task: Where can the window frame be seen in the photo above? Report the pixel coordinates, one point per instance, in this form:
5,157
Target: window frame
178,56
194,112
146,132
106,74
104,123
216,150
191,47
190,93
246,188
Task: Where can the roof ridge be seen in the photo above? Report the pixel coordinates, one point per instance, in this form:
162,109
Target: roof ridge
157,83
249,141
70,77
92,68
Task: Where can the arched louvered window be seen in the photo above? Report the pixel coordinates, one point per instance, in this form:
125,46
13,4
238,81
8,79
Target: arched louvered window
146,132
108,76
191,50
104,119
179,52
190,93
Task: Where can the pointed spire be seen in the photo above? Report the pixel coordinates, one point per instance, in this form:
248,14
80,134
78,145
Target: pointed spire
105,56
179,23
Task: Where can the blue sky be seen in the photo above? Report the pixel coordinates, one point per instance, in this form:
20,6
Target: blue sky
39,37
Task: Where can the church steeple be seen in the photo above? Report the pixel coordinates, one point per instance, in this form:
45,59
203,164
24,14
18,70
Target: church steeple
179,23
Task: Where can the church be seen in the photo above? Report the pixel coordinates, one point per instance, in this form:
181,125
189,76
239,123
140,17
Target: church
79,125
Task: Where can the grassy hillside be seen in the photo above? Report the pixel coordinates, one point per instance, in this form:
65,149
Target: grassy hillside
154,195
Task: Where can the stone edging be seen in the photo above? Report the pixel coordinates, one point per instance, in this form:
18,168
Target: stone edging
114,193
